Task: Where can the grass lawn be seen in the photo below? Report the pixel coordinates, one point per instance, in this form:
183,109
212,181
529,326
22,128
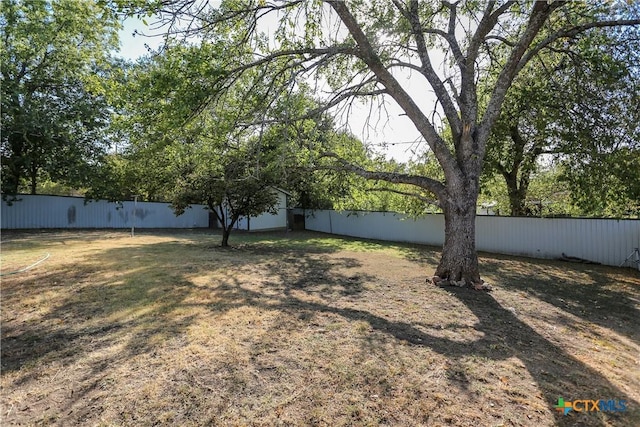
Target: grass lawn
305,329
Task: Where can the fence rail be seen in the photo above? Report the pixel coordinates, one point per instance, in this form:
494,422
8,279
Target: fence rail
39,211
606,241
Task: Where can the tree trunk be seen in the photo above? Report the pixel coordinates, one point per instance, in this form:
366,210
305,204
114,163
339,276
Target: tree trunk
524,164
219,210
226,231
459,261
12,183
33,185
33,180
516,202
517,197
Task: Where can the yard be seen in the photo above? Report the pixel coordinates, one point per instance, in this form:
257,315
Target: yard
305,329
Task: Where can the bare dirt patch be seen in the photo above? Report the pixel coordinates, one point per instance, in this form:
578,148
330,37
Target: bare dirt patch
305,329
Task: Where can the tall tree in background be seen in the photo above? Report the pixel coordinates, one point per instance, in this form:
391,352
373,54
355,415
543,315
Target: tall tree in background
604,167
357,50
576,105
54,110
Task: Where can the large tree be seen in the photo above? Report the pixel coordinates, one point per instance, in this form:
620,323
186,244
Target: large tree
54,109
360,49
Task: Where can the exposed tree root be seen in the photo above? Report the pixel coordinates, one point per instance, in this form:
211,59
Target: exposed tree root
462,283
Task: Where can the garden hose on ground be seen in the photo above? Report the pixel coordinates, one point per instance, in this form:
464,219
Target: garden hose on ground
22,270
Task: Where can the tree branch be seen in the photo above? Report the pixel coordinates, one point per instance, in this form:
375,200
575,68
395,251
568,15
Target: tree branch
432,185
418,196
369,56
500,39
540,13
427,69
450,35
468,93
572,32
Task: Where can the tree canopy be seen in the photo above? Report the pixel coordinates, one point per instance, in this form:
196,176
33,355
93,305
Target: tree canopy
54,110
230,154
575,106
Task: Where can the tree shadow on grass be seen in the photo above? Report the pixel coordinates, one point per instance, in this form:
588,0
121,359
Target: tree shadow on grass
503,336
606,296
498,326
145,306
597,294
88,334
96,314
130,301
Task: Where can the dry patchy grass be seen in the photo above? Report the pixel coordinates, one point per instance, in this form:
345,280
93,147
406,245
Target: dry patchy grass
304,329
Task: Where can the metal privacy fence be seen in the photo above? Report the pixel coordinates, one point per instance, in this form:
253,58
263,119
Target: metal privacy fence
606,241
39,211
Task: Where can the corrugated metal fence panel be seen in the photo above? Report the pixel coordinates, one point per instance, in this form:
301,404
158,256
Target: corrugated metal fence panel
266,221
607,241
389,226
36,211
378,225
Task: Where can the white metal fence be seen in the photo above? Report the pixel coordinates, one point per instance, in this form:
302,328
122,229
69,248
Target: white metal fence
39,211
607,241
267,221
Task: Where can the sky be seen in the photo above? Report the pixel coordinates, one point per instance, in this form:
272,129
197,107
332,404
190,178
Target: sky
392,134
133,47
